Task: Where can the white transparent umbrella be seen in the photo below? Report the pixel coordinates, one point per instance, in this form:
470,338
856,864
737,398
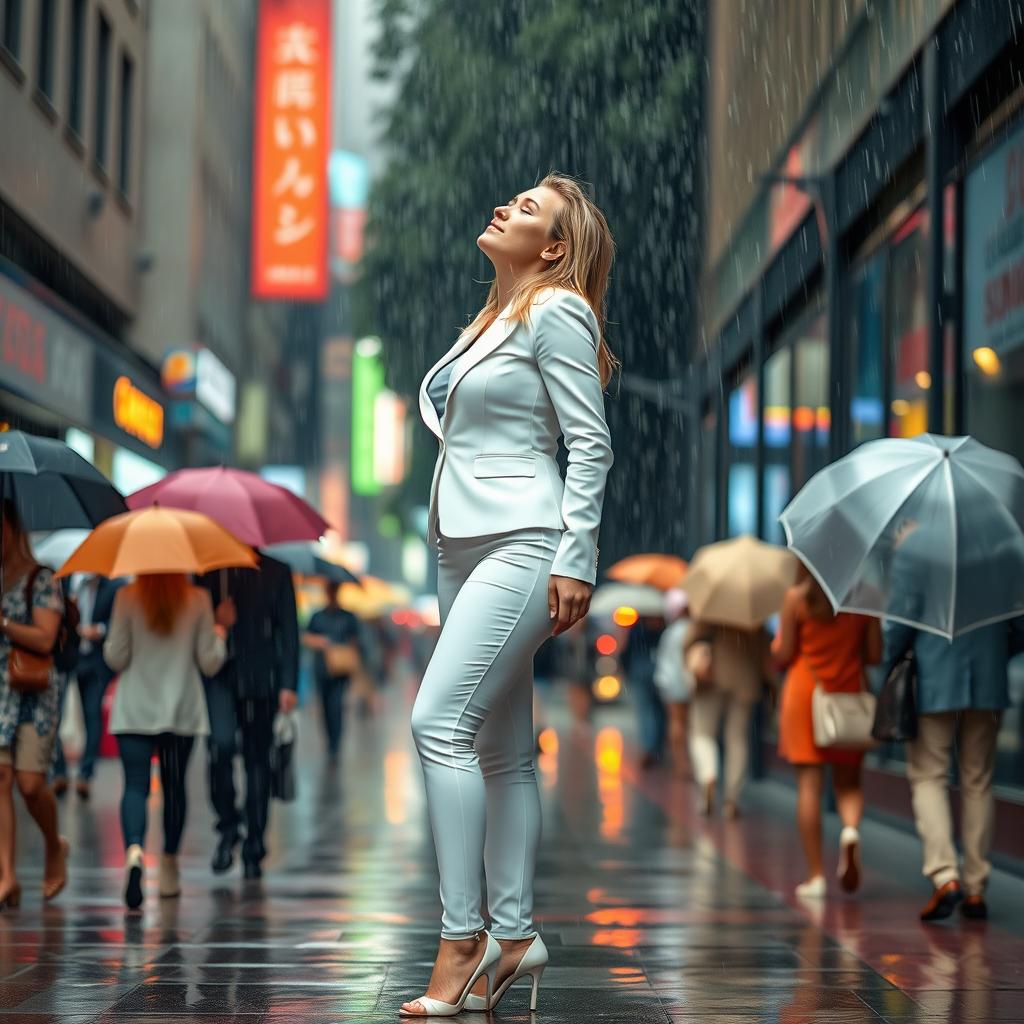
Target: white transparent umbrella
928,531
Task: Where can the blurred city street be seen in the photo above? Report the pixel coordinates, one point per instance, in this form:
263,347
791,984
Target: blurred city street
650,912
509,501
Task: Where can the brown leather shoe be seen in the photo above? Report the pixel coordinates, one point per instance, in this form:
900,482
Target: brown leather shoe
943,902
974,908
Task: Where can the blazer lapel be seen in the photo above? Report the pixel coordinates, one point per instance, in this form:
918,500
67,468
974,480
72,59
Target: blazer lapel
483,347
427,410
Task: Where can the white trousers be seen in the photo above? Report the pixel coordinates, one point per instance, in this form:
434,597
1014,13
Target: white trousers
473,727
928,759
707,708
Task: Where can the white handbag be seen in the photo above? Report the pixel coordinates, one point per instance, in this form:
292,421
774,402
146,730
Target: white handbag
843,721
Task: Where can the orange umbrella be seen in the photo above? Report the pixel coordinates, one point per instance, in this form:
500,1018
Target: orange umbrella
158,540
652,570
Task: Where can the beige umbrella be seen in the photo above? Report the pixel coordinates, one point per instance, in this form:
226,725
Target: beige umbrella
738,582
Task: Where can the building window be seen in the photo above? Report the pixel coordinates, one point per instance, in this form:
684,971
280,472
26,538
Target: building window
102,92
124,161
777,416
865,328
909,375
44,50
708,507
12,28
741,503
77,66
811,413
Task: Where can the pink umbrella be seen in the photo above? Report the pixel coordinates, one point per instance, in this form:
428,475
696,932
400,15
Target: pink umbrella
255,511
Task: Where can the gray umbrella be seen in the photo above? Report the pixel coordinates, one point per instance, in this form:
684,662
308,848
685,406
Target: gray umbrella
927,531
305,558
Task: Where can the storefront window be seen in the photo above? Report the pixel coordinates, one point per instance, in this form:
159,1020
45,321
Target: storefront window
777,432
811,416
864,343
708,476
910,377
132,472
742,480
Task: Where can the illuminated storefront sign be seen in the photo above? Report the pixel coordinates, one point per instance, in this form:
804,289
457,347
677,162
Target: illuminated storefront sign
290,201
42,357
201,375
367,384
138,414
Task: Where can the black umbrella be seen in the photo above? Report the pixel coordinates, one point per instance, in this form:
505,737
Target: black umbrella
302,557
52,486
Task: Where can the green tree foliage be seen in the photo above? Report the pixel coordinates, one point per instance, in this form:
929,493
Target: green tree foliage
494,94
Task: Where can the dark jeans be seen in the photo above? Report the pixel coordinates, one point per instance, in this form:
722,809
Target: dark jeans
91,688
137,752
650,711
253,718
332,694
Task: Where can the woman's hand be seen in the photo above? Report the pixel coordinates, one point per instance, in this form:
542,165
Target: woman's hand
568,601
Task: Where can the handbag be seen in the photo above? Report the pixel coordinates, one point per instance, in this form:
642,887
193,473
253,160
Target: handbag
27,671
896,714
341,659
282,765
843,721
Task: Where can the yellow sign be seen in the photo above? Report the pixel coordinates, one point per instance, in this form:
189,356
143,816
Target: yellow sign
138,414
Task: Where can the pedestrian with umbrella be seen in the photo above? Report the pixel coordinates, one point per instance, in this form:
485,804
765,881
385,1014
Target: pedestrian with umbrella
256,605
928,533
44,485
162,634
732,587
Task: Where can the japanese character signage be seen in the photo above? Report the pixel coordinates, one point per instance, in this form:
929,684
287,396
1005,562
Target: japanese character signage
290,219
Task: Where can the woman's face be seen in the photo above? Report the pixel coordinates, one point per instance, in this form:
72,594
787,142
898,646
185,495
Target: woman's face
519,235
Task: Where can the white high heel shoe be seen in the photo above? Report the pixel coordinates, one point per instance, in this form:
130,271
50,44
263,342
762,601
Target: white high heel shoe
488,967
535,959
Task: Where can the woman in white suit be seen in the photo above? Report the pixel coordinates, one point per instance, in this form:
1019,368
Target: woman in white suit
517,561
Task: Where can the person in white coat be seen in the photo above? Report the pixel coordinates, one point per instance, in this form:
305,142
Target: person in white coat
162,634
517,562
672,678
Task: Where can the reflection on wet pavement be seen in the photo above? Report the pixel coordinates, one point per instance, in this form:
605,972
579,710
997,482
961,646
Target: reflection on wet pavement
650,913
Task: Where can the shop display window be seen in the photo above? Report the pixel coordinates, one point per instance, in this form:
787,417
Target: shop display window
741,505
864,333
812,419
776,414
707,506
910,379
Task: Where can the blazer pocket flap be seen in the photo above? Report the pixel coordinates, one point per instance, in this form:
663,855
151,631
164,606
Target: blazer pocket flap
504,465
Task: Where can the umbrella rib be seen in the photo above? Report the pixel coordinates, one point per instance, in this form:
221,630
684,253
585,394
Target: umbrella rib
995,497
878,533
953,530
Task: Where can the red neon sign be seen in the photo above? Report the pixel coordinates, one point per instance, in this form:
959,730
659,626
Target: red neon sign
290,202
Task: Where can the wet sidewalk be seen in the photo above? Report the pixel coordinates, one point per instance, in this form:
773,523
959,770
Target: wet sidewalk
650,912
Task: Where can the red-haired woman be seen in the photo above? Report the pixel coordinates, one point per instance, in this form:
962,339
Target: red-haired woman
162,635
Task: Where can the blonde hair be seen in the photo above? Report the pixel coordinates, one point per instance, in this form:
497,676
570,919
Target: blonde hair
584,269
162,596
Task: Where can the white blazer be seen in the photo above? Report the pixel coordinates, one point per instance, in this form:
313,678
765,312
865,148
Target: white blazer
511,395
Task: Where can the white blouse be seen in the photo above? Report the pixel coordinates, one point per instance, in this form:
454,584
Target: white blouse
160,688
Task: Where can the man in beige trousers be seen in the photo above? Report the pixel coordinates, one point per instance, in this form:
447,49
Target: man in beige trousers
961,694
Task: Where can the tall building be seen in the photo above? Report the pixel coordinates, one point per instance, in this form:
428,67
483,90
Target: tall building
72,261
865,233
196,215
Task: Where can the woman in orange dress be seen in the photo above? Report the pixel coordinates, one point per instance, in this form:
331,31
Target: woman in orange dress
817,645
